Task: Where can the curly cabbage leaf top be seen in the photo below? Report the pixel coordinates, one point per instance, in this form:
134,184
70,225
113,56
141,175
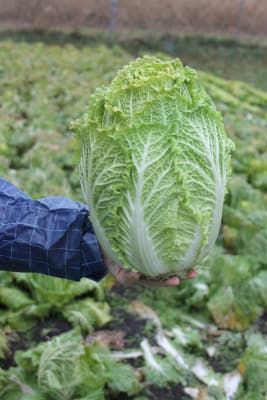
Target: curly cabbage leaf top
154,164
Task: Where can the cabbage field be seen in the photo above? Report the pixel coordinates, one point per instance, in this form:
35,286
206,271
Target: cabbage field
205,339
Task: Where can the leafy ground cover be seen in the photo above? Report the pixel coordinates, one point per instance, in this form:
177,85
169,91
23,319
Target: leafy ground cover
243,59
206,339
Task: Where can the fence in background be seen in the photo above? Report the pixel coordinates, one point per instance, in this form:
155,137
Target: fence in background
212,16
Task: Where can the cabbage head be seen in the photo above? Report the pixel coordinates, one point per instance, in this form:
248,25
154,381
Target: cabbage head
154,165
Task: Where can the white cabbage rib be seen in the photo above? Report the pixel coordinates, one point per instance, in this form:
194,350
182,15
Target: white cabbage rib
140,247
140,239
154,163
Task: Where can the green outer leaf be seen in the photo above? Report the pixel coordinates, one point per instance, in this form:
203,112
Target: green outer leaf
14,298
154,164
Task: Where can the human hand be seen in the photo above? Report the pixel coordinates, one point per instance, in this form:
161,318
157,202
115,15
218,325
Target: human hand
126,277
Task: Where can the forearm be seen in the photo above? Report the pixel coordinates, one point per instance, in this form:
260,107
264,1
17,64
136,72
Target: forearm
51,236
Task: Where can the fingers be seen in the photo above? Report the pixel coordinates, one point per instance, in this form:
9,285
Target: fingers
173,281
126,277
121,275
191,274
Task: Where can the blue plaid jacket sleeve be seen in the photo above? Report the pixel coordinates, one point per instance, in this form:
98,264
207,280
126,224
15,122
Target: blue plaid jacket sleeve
51,236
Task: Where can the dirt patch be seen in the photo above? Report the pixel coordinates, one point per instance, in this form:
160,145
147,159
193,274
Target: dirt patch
213,16
155,393
262,323
42,332
172,393
132,326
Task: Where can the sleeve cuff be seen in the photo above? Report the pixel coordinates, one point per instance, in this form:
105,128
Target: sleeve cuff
92,264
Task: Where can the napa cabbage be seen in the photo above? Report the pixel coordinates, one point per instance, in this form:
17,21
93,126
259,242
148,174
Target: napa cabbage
154,162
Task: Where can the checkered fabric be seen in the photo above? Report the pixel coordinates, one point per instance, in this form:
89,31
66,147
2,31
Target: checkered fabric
51,236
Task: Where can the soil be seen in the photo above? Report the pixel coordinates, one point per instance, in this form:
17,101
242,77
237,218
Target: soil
42,332
228,355
262,323
212,16
131,325
124,292
134,327
173,393
226,364
155,393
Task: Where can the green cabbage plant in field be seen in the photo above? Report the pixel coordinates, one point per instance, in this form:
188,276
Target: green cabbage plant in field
154,165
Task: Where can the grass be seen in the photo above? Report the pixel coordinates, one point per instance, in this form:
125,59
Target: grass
241,58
